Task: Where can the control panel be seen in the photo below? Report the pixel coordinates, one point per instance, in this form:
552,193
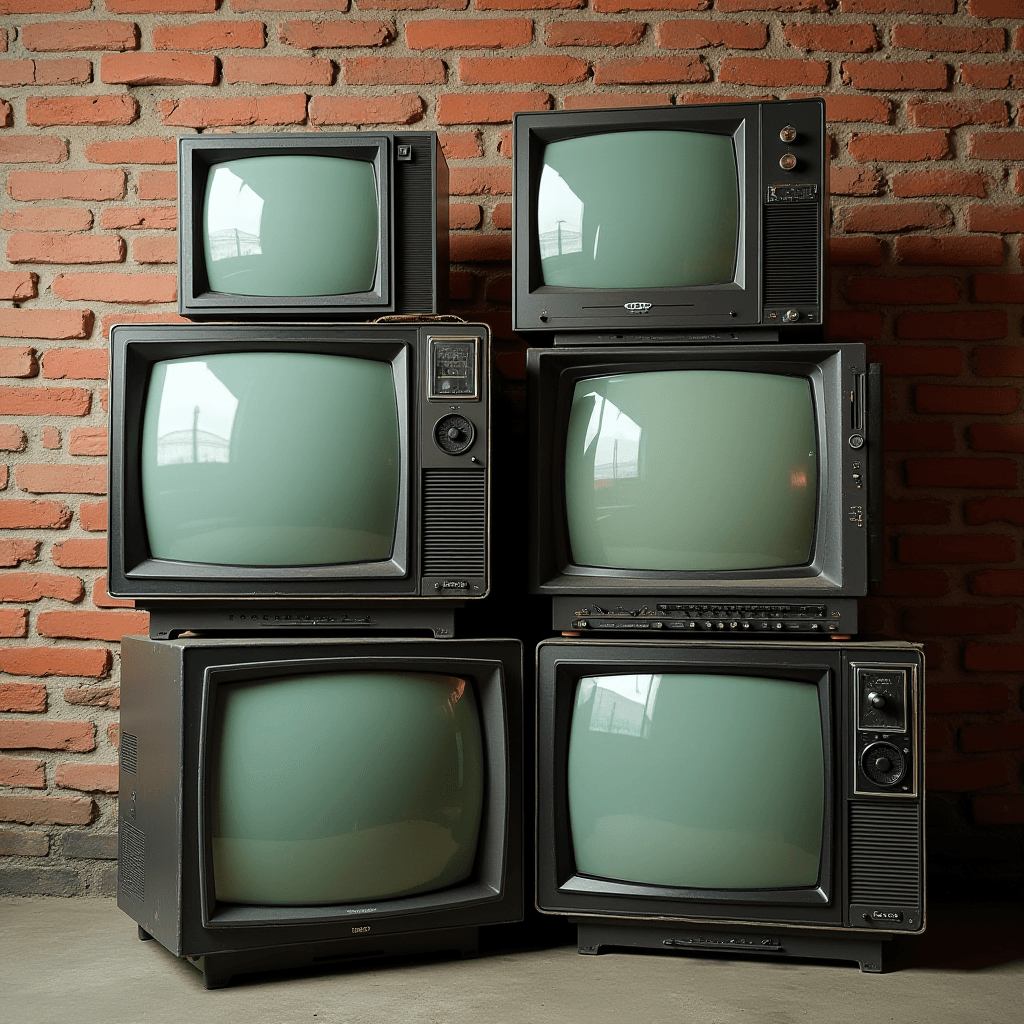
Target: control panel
885,741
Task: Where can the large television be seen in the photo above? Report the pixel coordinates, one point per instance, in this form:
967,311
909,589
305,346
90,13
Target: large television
306,802
734,797
731,489
676,218
312,226
279,476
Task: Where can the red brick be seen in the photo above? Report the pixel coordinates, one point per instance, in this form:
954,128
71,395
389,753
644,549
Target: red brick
487,108
155,250
1002,736
962,473
81,110
133,151
921,250
894,76
88,441
398,108
477,181
62,479
413,5
161,6
996,437
22,401
999,287
918,360
158,69
980,324
92,515
1001,75
902,291
938,183
920,437
311,35
963,777
999,809
211,35
51,438
1000,361
899,147
12,439
902,512
481,248
40,247
13,622
619,6
642,70
22,771
885,217
596,101
693,35
461,145
914,583
22,697
772,72
501,217
772,5
996,146
528,5
93,696
22,514
88,553
146,217
76,363
473,34
543,70
848,109
244,110
994,510
278,70
6,114
584,33
26,186
25,587
393,71
25,735
855,252
101,599
18,361
53,218
954,113
995,219
91,625
963,620
15,551
854,181
967,699
47,810
64,36
949,39
994,657
845,38
114,735
130,288
73,71
32,149
55,661
996,8
998,583
89,778
848,323
157,185
291,5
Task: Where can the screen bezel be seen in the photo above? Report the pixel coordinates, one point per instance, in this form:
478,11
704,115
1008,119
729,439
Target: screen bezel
838,563
197,154
560,889
541,307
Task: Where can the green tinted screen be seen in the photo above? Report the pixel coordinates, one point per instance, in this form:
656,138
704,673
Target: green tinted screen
691,470
291,225
644,209
271,458
701,781
342,787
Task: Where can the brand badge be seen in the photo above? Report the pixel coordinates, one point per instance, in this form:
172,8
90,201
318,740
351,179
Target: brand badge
637,307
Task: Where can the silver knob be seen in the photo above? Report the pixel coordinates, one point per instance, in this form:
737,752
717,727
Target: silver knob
788,161
788,134
791,315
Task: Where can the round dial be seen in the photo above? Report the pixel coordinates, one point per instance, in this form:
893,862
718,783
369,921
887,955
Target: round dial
454,434
883,763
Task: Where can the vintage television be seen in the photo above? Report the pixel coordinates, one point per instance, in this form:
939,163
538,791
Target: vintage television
312,226
736,797
304,802
730,489
275,476
671,218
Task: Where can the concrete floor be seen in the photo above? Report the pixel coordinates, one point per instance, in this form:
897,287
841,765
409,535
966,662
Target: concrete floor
80,961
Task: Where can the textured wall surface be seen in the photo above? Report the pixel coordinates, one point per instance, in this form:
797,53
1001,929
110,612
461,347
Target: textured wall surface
928,238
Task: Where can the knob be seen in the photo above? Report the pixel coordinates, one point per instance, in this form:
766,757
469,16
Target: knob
883,764
788,161
788,134
453,433
791,315
856,441
876,700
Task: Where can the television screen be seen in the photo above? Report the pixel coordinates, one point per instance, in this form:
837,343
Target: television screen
343,787
691,469
652,800
267,229
233,467
679,228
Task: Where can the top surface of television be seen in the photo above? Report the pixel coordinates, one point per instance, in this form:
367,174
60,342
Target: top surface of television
673,217
342,226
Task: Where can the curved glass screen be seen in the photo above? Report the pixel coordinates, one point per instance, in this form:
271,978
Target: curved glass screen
644,209
691,470
342,787
291,225
271,459
699,781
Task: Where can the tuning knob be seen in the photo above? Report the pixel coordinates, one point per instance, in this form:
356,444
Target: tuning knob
454,434
876,700
883,764
788,134
787,162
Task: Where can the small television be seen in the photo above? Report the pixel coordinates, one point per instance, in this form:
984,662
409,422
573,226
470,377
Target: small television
727,489
312,226
676,218
306,802
734,797
276,476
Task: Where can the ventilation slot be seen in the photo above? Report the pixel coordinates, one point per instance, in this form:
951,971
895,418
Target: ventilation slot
131,863
791,256
885,854
414,258
130,753
454,522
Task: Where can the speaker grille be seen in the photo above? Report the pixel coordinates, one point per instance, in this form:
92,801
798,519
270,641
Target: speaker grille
454,522
885,854
131,863
791,256
130,753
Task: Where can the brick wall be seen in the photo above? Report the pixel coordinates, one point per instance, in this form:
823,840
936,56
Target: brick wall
928,240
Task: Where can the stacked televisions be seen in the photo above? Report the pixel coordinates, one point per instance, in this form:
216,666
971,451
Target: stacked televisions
300,497
720,766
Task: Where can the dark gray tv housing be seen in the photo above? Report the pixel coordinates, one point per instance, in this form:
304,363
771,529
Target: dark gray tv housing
782,248
411,274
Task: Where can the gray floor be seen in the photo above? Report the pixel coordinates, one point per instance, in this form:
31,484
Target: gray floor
80,961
